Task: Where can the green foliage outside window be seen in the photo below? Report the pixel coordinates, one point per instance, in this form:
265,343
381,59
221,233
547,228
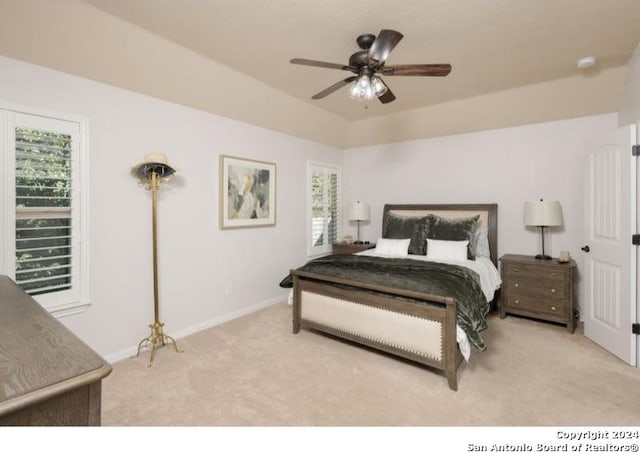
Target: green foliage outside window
324,207
43,210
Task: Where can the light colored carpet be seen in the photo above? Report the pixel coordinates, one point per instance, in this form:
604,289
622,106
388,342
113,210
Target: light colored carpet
253,371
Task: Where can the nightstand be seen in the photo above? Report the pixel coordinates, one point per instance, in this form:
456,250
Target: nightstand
537,288
350,248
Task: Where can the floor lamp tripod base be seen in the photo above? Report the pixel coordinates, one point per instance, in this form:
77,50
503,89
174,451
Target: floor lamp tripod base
155,340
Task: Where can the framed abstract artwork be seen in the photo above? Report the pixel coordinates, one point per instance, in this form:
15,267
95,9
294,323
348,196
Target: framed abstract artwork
247,193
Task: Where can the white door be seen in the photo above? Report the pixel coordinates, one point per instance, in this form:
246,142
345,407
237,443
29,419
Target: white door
610,257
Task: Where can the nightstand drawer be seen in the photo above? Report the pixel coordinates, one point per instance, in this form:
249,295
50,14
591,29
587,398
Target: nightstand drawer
535,271
536,305
538,287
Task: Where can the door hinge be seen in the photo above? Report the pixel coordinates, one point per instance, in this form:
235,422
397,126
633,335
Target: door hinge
635,239
635,328
635,150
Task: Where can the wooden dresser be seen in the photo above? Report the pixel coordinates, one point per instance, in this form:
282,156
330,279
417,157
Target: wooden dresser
47,375
541,289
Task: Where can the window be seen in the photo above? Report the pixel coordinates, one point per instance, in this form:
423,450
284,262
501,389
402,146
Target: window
324,207
43,219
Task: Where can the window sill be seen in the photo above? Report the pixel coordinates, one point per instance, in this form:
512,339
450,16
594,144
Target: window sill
66,310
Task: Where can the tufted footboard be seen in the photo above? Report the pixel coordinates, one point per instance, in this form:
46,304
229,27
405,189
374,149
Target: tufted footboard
415,326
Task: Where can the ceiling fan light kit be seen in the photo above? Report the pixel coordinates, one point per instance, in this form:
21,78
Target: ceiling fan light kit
367,88
365,63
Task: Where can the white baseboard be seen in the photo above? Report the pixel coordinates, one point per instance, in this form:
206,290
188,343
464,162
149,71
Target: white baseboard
131,351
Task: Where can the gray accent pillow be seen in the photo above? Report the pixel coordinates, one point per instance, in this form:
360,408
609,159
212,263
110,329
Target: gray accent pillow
481,243
440,228
414,228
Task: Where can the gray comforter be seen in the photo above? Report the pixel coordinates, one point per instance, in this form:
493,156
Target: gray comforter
434,278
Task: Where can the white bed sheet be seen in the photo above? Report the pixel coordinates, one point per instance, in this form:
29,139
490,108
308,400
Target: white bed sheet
490,281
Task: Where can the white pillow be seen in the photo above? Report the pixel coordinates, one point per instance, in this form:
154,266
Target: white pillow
447,250
393,247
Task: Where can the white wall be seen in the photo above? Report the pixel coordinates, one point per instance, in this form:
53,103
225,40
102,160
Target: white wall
507,166
205,274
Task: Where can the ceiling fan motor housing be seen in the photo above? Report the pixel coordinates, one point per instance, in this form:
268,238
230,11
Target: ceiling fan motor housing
359,58
365,41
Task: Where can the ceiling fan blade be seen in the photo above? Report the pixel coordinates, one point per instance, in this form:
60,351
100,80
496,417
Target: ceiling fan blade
428,70
388,96
322,64
383,45
332,88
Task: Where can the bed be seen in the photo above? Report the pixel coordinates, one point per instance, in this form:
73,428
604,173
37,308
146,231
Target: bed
391,305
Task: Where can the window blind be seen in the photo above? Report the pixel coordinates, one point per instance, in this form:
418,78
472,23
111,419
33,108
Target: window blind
325,207
43,210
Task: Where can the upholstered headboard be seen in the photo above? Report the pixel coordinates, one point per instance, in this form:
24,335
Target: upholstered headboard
488,217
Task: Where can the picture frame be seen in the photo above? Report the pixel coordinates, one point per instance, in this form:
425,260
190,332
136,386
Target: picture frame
247,193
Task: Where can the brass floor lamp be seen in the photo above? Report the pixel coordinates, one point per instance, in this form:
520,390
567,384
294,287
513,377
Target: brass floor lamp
153,171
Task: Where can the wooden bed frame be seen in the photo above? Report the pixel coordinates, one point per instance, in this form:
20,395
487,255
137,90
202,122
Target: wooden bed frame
421,330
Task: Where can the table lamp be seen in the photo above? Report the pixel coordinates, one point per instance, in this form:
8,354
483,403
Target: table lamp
542,214
358,211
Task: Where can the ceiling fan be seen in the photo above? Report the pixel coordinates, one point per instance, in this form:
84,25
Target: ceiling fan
368,63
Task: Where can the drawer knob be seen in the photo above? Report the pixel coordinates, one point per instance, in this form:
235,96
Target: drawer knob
553,308
515,270
554,274
516,301
553,290
516,285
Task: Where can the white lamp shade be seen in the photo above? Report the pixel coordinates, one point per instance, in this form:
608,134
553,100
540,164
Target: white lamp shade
358,211
542,213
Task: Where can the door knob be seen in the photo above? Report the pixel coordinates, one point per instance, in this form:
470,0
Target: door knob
586,248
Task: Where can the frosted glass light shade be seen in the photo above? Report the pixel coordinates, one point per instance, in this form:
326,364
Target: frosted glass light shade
367,87
379,88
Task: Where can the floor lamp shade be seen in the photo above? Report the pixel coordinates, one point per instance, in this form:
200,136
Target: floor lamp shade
542,214
358,211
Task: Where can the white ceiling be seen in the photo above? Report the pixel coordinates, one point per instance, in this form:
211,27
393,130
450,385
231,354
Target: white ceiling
492,45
